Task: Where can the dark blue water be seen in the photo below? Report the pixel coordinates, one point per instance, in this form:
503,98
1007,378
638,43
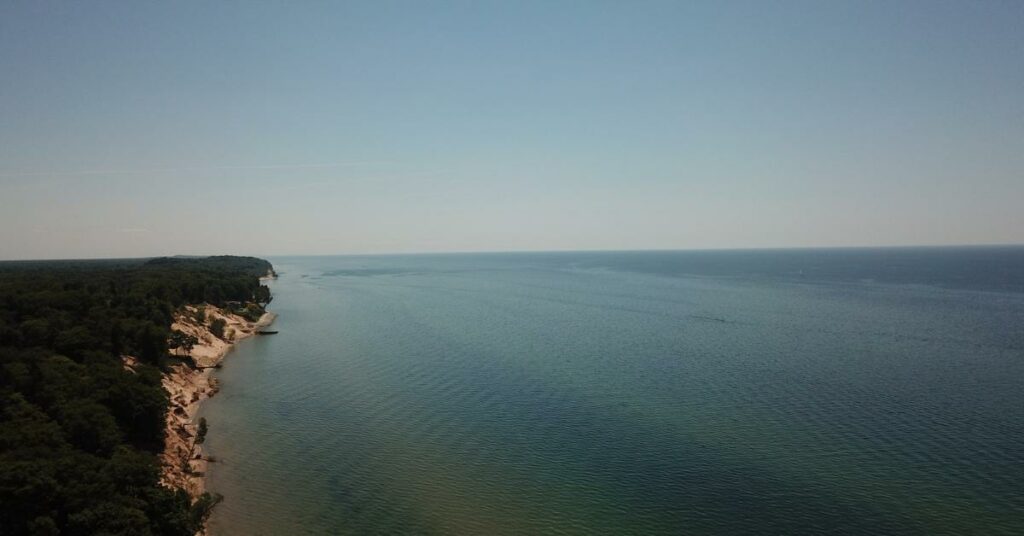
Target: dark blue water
738,392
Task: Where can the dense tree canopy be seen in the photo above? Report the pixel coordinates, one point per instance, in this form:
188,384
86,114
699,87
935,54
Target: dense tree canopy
79,432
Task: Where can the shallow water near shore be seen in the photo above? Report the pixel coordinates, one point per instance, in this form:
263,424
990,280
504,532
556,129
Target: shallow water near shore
788,392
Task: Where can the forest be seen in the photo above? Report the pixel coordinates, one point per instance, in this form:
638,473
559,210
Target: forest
80,433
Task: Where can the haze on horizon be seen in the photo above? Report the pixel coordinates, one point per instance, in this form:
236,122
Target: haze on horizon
130,129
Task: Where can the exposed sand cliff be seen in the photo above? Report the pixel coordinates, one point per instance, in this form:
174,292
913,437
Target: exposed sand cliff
183,462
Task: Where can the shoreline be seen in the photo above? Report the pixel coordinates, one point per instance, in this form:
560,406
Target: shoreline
183,464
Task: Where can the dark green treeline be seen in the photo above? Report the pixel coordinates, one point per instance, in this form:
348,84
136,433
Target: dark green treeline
79,434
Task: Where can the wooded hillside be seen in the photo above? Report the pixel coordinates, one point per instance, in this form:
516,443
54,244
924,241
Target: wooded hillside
79,432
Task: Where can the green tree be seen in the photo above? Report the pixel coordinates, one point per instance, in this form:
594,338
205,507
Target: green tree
217,327
263,297
184,341
201,431
203,506
151,342
89,426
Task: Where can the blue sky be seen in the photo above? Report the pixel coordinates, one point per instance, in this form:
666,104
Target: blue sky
137,129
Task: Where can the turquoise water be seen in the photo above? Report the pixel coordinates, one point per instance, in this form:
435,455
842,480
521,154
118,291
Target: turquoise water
772,392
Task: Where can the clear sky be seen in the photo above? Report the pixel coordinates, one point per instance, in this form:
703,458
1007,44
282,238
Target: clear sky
138,129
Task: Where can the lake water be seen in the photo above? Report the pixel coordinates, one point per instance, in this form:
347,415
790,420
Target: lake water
746,392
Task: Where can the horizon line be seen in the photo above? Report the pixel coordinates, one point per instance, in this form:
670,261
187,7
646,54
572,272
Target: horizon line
526,251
